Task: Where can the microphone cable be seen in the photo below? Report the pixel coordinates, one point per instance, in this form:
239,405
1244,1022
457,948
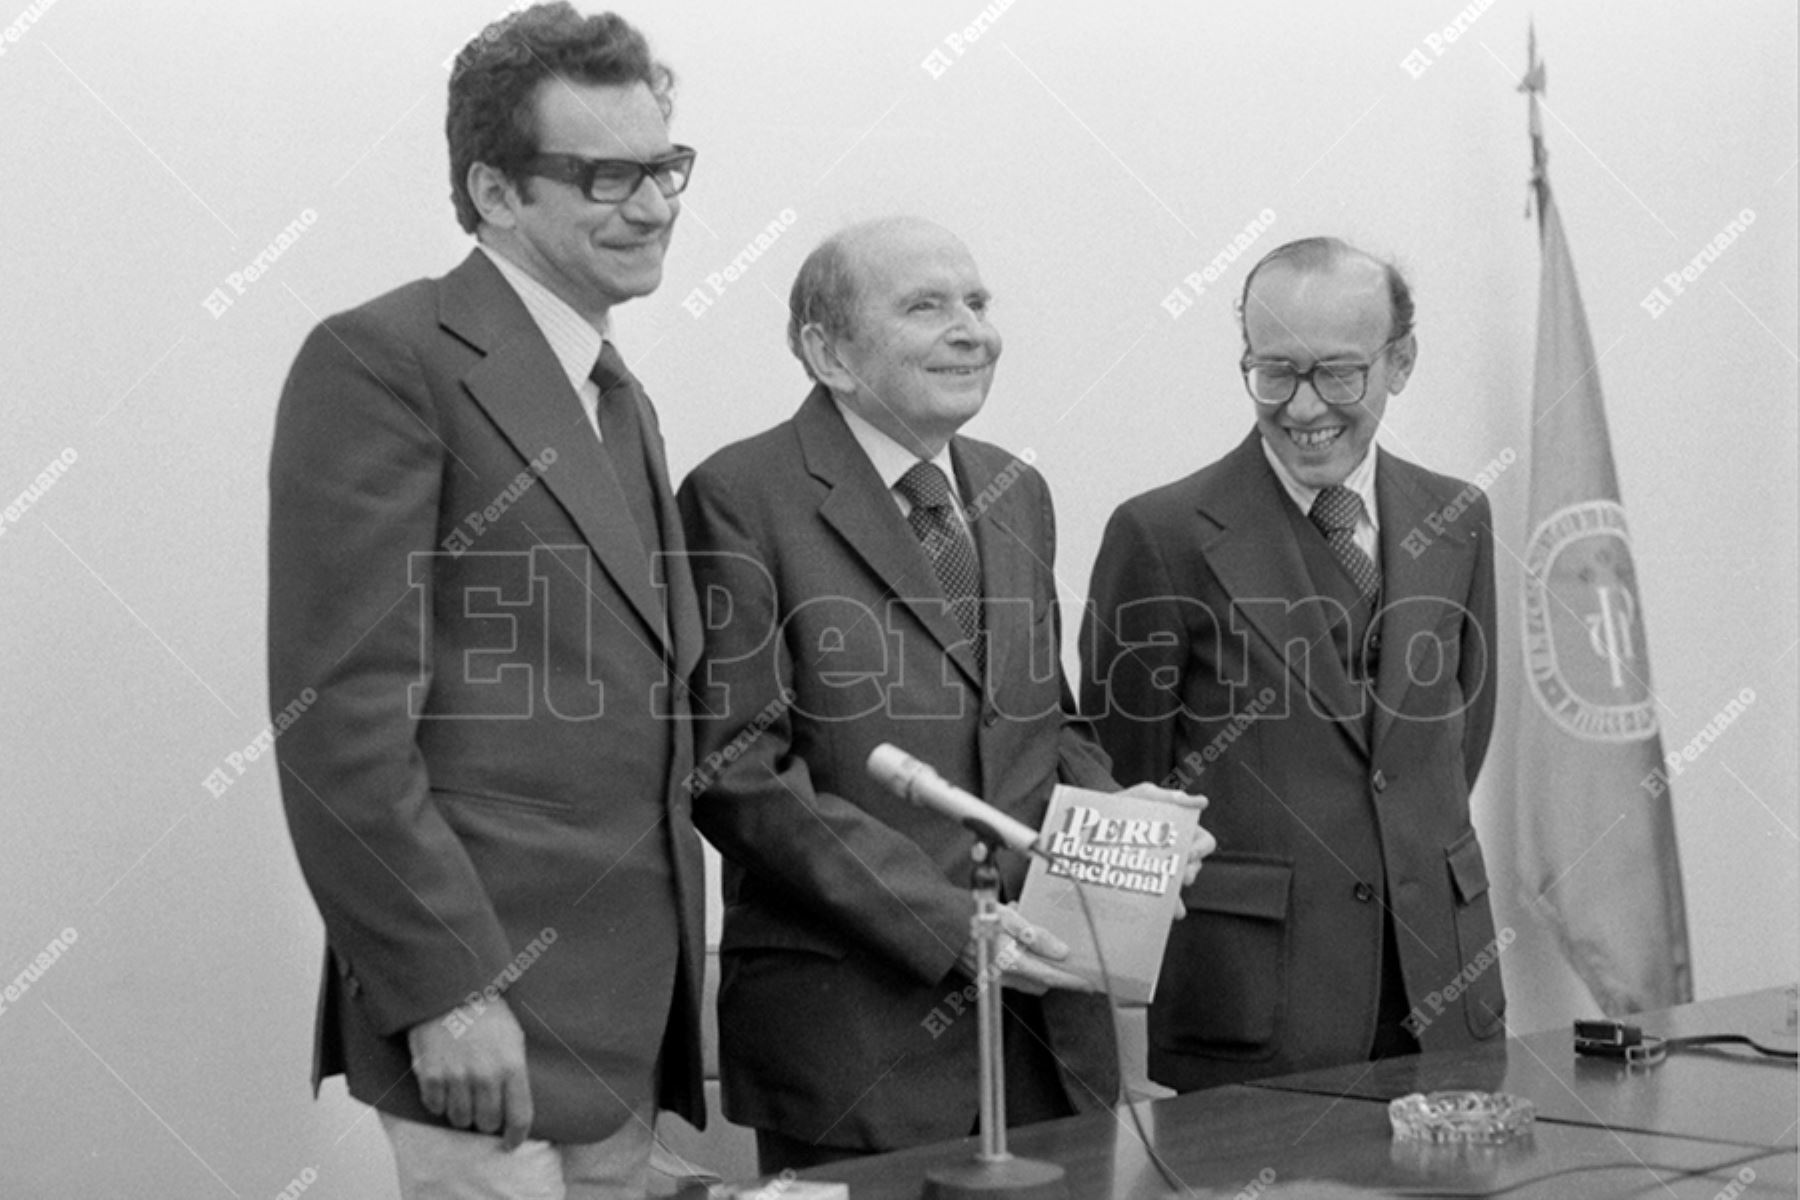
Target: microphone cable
1620,1040
1137,1123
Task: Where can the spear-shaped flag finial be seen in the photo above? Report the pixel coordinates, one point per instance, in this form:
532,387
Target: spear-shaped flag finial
1532,84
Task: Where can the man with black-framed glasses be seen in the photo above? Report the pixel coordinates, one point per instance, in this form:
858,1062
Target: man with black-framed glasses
1304,630
477,575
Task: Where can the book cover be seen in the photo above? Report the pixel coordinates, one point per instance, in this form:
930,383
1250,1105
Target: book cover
1126,853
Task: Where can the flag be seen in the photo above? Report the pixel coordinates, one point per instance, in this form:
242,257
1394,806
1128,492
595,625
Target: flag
1597,846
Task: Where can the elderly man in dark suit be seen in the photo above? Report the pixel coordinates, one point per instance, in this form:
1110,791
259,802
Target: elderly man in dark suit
873,576
475,565
1305,629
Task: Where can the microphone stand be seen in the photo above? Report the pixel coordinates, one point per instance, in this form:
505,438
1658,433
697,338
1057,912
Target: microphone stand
994,1171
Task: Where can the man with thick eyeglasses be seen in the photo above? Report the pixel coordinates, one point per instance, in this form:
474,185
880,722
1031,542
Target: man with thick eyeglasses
616,180
477,566
1304,630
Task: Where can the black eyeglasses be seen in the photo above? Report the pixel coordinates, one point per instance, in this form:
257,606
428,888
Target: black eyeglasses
1275,381
615,180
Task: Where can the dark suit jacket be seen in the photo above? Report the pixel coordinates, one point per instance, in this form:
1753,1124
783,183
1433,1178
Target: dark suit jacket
1208,668
486,791
845,906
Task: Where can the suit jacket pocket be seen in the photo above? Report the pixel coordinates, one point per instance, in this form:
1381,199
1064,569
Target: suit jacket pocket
1224,976
502,801
1478,949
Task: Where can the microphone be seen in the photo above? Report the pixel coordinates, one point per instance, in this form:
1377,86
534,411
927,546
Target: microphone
912,780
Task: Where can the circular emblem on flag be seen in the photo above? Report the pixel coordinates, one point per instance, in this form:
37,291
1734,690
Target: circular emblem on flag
1584,633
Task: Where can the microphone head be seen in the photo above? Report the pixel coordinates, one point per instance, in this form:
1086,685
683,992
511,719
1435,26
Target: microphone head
916,783
899,771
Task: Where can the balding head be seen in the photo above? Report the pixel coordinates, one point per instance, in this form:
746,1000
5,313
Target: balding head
892,317
1327,340
1329,255
826,291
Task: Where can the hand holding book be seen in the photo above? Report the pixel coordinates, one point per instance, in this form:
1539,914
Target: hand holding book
1203,844
1129,855
1026,957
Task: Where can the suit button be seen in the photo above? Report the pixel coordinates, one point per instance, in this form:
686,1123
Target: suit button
1378,781
990,718
1364,892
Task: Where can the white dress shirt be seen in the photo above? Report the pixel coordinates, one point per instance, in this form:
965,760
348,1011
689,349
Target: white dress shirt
575,343
891,460
1361,480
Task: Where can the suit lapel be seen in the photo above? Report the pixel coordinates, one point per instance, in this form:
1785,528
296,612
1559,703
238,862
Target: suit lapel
523,390
1006,557
1253,553
678,579
1414,586
864,514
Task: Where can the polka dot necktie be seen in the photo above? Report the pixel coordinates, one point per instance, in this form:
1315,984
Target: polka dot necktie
948,545
1335,511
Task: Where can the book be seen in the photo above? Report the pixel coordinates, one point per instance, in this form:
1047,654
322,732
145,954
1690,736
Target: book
1127,853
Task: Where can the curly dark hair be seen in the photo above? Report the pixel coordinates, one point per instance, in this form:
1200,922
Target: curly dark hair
494,82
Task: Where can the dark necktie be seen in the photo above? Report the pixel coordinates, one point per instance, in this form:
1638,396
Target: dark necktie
1335,511
622,431
948,545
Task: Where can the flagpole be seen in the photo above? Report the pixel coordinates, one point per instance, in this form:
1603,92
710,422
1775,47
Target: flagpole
1598,854
1532,84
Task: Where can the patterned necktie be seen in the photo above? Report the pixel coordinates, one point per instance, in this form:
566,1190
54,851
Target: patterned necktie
948,545
622,432
1335,511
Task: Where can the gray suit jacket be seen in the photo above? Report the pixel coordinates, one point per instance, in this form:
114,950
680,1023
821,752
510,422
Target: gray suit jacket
1210,665
487,792
845,906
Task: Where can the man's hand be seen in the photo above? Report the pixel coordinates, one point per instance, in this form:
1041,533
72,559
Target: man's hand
1024,956
1204,842
474,1074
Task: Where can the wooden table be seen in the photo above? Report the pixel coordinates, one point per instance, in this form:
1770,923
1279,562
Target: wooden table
1705,1130
1728,1094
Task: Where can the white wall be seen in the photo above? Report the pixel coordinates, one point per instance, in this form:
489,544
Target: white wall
1090,161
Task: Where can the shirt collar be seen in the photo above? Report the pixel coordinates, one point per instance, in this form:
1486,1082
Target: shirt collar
890,459
1361,480
575,343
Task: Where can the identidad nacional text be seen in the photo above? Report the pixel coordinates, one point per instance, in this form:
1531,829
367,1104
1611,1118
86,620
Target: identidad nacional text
1131,854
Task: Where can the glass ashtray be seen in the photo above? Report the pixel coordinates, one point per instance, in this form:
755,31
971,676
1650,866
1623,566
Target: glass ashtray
1482,1117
